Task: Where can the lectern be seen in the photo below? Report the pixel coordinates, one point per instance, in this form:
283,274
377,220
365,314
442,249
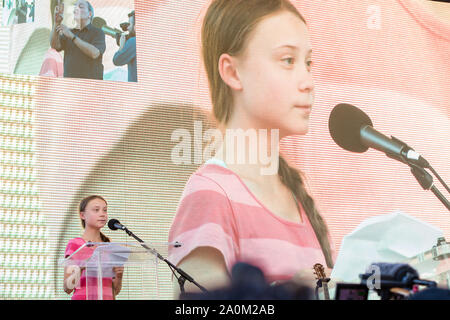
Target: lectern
95,262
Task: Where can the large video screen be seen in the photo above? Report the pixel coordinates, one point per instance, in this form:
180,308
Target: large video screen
40,38
63,138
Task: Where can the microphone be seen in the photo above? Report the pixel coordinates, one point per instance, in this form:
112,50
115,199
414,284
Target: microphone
115,224
353,130
100,23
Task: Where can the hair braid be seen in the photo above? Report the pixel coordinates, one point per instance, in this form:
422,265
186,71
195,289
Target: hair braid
293,180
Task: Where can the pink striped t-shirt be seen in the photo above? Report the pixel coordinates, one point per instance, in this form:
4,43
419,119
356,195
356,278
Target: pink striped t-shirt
218,210
79,293
53,65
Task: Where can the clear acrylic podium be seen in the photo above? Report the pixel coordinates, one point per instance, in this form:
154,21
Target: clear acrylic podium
96,261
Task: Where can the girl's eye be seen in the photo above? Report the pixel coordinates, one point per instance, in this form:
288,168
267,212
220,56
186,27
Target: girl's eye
289,60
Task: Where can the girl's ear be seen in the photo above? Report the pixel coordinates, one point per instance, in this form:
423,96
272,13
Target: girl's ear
82,215
228,71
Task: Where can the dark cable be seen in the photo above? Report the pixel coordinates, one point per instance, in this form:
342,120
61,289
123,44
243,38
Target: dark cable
439,178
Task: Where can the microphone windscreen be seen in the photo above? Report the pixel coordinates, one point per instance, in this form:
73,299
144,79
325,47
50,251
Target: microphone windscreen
111,224
345,125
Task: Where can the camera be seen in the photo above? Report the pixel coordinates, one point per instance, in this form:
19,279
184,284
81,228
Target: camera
391,281
114,32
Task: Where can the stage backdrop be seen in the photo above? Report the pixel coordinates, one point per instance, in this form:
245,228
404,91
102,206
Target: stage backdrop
63,139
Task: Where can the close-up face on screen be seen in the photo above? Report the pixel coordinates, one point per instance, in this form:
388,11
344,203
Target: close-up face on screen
302,141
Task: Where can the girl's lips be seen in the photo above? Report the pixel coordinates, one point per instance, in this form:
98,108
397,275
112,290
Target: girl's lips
306,108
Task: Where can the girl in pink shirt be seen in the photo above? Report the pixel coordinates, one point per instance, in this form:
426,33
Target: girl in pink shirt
94,216
257,56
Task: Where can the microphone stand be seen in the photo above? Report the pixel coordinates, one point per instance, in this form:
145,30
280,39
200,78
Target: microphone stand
426,181
421,175
183,275
319,284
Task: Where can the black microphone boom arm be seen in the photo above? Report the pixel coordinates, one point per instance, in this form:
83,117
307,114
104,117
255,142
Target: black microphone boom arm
183,275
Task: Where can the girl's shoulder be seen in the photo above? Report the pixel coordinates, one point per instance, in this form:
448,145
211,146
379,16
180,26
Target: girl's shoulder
73,245
78,241
213,174
213,180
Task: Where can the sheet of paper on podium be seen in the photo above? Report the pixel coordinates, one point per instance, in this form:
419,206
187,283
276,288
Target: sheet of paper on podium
393,238
113,255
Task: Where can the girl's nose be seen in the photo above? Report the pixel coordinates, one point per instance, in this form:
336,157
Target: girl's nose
306,83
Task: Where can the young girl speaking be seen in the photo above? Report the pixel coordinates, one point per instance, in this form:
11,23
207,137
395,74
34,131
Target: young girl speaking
257,56
93,211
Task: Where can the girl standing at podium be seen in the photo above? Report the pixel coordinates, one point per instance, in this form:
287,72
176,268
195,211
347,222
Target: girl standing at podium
93,211
257,56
